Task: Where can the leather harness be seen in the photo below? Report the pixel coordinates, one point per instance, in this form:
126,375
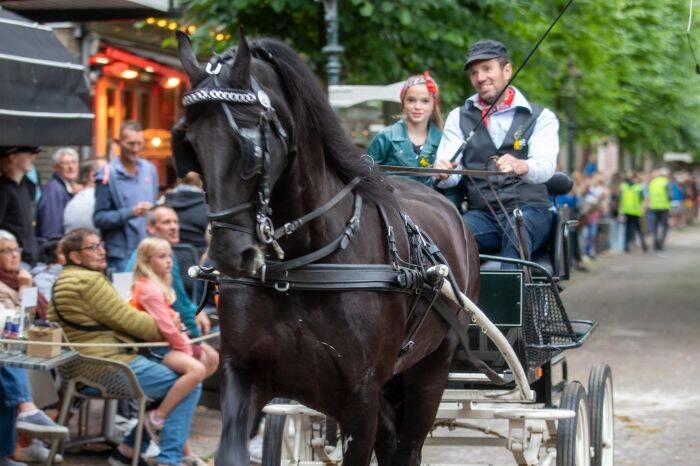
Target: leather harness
420,275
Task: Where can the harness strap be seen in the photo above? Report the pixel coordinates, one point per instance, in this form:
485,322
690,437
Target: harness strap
449,316
291,227
332,277
341,242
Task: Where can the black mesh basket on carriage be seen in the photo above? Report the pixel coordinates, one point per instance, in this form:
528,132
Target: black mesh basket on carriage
547,330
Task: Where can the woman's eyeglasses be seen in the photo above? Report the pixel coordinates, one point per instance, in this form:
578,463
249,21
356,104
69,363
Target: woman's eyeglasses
94,247
11,251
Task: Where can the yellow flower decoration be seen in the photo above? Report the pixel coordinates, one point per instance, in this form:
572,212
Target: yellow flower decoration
518,144
423,162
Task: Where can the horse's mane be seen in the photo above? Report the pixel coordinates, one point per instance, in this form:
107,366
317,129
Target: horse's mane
314,117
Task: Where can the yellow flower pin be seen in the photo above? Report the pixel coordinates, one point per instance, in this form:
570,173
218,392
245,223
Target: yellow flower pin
518,144
423,162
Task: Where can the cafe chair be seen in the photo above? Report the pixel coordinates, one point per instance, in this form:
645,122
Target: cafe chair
93,378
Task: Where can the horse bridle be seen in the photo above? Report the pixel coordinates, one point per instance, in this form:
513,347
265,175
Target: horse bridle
257,139
264,228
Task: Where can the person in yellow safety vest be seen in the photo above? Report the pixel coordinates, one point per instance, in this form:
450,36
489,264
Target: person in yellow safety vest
632,208
659,206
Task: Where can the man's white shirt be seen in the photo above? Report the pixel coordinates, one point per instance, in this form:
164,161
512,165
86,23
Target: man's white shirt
543,144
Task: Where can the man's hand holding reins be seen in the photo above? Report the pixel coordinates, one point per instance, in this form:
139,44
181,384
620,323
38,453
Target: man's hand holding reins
444,165
510,164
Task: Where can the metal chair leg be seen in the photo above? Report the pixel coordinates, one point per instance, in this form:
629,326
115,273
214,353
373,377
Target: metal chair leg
139,432
62,415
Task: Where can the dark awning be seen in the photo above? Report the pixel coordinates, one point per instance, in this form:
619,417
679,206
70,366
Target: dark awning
44,94
90,10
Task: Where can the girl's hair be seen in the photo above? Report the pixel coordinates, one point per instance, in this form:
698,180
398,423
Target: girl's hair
147,248
429,82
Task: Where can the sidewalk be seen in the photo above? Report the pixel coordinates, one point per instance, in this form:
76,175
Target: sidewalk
204,438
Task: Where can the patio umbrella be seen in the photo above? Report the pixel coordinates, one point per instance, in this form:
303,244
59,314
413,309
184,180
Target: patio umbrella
44,94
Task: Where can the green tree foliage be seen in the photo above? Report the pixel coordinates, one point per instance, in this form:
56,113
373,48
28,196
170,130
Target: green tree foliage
636,73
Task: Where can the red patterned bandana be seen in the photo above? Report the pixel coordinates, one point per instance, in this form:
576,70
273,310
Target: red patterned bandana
426,79
506,103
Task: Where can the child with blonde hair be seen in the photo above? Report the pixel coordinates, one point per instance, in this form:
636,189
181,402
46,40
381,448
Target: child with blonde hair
152,292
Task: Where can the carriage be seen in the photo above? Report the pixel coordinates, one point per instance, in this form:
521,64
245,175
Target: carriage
362,322
563,423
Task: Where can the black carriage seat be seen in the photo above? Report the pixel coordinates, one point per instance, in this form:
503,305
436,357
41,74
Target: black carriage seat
554,255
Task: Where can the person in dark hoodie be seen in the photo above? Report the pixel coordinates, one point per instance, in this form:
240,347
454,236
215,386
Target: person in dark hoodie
187,199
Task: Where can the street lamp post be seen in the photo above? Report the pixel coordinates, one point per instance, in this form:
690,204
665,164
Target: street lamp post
332,48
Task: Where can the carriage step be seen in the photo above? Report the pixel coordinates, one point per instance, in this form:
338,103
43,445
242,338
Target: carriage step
291,410
541,414
483,396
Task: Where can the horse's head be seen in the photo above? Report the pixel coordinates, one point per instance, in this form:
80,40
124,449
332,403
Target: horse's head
233,136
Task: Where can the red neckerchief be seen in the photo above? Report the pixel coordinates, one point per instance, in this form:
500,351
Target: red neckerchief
506,103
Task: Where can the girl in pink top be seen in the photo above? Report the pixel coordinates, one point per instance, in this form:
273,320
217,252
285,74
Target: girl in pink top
152,292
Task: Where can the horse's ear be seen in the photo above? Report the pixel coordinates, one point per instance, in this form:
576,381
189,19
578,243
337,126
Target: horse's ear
185,157
188,58
240,75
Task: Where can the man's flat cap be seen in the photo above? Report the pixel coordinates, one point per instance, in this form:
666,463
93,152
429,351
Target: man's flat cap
485,50
9,150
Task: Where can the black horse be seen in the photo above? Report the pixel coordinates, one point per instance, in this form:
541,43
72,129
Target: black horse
268,158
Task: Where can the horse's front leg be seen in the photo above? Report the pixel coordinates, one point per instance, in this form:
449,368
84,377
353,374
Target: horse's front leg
359,425
238,412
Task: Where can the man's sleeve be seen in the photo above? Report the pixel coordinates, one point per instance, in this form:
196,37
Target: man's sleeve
4,201
452,139
106,216
113,312
544,149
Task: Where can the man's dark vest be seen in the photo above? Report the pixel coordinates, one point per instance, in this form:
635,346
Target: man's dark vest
481,148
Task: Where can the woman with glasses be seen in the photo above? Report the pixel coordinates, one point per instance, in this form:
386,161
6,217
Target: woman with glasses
13,279
16,406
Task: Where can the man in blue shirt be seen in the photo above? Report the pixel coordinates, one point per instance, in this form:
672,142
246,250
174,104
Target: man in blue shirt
124,191
519,137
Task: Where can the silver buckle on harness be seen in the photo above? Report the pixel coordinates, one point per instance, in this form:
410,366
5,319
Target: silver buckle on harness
283,288
214,71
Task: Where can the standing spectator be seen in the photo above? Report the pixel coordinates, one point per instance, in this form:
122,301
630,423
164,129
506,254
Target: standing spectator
659,206
57,192
632,209
17,198
690,193
677,202
571,199
79,210
90,310
187,199
125,190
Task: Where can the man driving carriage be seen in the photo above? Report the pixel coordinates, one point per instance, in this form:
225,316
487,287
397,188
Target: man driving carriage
517,137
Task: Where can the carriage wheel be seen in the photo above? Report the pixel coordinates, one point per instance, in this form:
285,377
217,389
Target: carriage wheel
573,439
287,440
601,413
